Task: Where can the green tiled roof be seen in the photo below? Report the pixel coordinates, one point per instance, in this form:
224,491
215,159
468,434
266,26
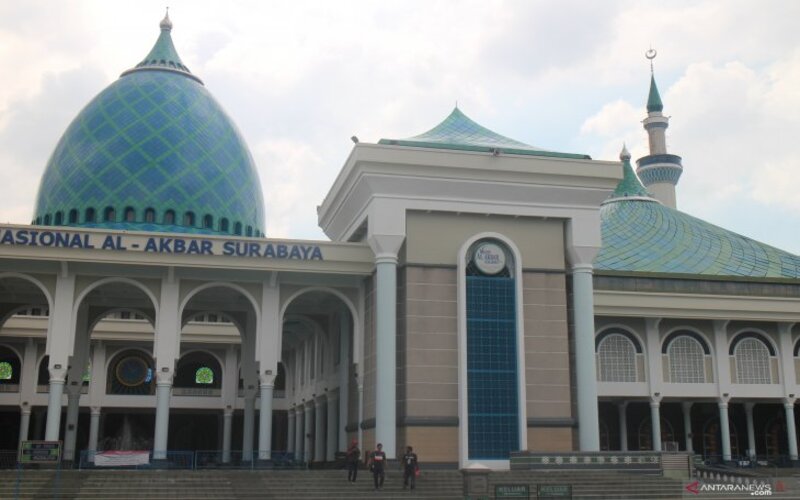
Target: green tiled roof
646,237
459,132
154,151
654,99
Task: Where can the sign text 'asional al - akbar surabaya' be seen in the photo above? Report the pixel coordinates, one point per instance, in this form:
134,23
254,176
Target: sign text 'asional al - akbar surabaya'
160,244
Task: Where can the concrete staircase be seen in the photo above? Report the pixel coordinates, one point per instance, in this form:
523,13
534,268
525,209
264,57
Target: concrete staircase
319,485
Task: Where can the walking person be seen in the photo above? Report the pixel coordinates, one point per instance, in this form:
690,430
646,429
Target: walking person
377,464
352,459
410,468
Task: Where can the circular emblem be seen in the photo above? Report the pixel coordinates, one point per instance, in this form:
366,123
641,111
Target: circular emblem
132,371
490,258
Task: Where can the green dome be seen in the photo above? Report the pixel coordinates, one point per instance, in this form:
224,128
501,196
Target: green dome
153,152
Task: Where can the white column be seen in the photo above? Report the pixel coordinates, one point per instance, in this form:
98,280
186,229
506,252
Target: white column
585,369
687,425
249,428
308,420
319,430
360,431
386,353
724,429
163,391
94,428
791,429
332,414
227,428
71,424
24,423
751,432
622,410
300,433
60,344
166,348
267,384
58,375
344,378
655,418
290,431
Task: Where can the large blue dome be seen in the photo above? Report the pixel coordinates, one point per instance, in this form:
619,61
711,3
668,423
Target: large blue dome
153,152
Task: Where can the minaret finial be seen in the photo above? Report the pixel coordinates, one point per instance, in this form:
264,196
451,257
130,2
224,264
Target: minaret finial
651,54
624,154
165,23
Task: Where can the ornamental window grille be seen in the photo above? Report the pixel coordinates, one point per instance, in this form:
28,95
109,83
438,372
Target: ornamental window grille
208,221
188,219
149,215
47,220
686,360
73,216
89,216
237,229
249,231
130,214
204,375
617,359
169,217
752,362
59,218
223,225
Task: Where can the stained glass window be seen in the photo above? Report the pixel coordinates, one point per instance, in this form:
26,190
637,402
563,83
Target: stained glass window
6,371
204,375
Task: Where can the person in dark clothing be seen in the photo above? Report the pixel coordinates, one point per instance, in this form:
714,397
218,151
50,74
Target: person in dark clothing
352,459
377,464
410,468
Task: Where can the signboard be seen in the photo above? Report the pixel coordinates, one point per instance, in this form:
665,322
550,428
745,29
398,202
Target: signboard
240,247
555,491
121,458
490,258
40,452
511,491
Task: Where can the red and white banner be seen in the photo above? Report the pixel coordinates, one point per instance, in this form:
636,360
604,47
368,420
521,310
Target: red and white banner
121,458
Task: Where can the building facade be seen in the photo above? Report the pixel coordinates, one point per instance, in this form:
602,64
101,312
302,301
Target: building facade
478,296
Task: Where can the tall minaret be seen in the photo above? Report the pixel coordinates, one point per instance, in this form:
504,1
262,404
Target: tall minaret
659,171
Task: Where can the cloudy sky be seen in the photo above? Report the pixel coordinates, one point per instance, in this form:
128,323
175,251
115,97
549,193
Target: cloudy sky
299,78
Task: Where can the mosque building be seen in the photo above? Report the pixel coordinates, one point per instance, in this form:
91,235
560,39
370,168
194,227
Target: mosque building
478,296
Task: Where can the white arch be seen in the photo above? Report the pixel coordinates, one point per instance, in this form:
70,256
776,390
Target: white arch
12,349
522,402
221,284
357,321
627,329
762,334
114,279
42,288
125,349
696,331
203,351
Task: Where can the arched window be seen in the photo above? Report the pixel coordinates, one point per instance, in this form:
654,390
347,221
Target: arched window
208,221
89,215
169,217
249,231
204,375
131,373
130,214
223,225
109,215
237,229
59,218
149,215
47,220
616,355
38,221
188,219
493,413
73,216
752,361
686,360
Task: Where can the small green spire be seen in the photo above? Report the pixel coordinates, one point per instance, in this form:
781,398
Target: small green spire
629,185
163,55
654,99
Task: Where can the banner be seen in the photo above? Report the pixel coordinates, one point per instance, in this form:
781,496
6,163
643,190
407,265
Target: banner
121,458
